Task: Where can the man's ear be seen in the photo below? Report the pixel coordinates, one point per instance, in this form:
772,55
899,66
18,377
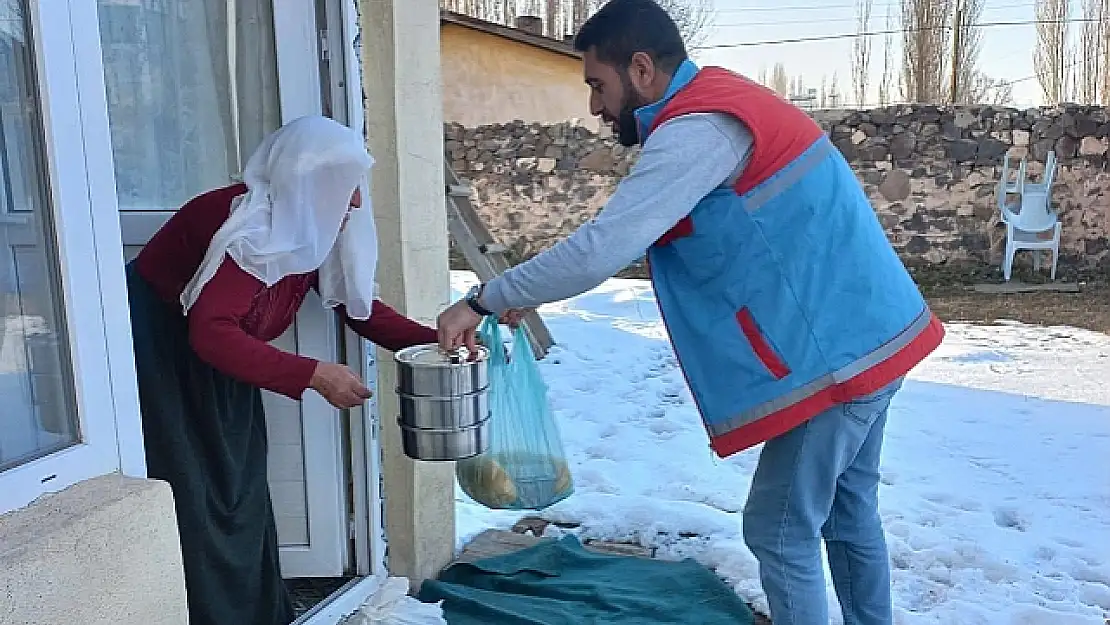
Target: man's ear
641,71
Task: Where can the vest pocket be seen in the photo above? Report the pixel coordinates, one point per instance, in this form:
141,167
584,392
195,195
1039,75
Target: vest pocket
760,345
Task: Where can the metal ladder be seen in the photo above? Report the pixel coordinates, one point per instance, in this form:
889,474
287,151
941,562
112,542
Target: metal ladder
483,253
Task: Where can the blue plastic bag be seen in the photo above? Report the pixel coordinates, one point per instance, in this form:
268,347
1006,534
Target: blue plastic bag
525,467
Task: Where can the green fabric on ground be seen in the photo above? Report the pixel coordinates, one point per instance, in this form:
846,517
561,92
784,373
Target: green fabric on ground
561,583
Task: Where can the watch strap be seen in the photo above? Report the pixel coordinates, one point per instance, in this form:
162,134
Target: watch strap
472,301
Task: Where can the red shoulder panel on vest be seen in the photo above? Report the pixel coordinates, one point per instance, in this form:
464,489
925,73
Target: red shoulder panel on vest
780,131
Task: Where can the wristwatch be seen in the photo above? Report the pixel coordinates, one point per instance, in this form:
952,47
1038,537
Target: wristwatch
472,297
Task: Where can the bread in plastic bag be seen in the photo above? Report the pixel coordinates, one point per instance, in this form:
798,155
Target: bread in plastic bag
525,467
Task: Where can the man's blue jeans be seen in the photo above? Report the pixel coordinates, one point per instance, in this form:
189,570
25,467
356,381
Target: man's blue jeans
821,480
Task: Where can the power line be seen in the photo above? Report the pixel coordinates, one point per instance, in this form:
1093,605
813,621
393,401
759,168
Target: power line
825,7
831,19
1001,84
1034,76
898,31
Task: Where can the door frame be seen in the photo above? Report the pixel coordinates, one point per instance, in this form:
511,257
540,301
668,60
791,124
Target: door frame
340,66
299,64
363,423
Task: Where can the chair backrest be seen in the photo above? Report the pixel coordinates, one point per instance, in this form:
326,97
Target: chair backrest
1010,186
1007,186
1049,170
1047,178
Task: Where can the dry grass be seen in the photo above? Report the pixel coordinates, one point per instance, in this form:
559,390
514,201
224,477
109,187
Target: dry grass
949,294
1088,309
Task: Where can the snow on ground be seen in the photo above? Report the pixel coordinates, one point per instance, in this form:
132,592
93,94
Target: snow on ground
996,485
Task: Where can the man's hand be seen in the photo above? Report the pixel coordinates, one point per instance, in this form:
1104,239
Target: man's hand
456,327
513,317
339,385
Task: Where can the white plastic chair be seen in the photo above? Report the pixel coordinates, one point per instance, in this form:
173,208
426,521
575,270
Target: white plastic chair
1024,230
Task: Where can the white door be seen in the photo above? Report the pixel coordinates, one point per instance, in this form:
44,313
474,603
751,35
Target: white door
189,99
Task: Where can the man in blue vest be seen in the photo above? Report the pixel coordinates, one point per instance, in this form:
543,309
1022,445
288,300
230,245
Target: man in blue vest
791,315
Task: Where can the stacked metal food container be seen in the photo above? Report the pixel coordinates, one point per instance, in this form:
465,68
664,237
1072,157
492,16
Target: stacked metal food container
444,402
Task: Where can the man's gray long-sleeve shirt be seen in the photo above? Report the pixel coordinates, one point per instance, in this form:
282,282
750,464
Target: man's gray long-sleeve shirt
683,160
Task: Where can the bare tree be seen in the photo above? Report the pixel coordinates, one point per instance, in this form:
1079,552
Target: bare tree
982,89
578,13
799,86
551,26
861,51
924,47
780,81
1092,69
886,82
967,41
834,99
823,97
1050,56
1104,86
694,18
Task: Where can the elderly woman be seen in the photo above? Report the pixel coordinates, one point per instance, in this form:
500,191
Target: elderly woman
223,277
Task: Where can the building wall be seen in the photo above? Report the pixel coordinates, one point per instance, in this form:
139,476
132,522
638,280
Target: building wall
103,551
931,174
489,79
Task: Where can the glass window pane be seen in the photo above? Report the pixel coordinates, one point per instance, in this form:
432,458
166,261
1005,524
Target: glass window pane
188,99
36,385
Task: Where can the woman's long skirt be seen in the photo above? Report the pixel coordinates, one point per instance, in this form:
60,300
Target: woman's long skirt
205,434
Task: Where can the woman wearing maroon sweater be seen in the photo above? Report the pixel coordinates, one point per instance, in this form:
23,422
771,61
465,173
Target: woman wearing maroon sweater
223,277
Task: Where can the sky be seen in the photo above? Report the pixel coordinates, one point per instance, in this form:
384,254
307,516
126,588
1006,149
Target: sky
1006,51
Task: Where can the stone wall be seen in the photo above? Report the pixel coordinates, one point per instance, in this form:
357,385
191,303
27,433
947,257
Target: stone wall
931,173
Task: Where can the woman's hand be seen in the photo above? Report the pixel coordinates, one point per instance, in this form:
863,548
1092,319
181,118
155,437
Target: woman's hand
339,385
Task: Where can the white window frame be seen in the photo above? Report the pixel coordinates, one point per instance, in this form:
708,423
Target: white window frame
82,196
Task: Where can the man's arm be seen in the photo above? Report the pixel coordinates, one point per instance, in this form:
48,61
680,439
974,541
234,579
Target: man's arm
684,160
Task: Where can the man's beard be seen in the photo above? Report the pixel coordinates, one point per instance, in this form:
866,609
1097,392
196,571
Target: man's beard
628,129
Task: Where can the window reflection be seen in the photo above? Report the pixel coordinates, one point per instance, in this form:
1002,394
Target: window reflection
37,411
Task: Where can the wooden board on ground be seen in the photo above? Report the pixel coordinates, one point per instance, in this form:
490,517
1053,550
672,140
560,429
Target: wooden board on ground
483,253
1007,288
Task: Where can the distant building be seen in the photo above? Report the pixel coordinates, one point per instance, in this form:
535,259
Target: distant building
494,73
806,101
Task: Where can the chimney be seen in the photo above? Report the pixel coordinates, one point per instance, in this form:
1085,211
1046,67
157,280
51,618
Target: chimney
530,24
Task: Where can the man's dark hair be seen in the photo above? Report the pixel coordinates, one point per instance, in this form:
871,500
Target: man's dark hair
621,28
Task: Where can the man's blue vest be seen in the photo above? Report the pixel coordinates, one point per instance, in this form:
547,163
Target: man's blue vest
781,292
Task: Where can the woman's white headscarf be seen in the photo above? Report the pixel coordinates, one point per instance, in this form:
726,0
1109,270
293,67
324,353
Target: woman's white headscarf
299,187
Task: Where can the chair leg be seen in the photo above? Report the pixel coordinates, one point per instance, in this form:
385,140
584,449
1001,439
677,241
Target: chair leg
1008,261
1055,249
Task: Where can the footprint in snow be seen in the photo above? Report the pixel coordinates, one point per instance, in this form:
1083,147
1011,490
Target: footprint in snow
664,428
1010,518
1096,595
